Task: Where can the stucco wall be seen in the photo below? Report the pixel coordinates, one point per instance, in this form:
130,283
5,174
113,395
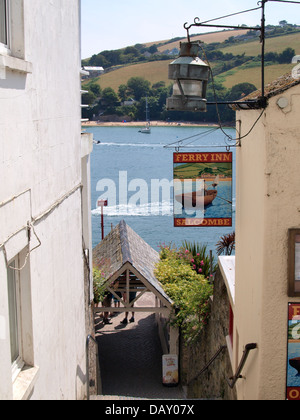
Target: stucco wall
268,204
40,153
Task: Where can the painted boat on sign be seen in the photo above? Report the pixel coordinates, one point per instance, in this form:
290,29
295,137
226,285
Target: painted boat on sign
295,363
196,199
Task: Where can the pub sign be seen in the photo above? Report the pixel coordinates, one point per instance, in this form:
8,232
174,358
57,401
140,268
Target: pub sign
293,362
203,189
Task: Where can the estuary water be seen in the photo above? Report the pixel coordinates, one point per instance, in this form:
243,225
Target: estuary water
134,172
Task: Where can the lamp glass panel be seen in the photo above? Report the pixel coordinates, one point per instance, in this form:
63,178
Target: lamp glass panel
189,87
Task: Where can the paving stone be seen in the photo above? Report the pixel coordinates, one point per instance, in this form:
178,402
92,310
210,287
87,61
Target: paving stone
131,359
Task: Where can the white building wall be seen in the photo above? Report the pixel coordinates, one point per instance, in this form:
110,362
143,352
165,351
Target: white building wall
40,165
268,203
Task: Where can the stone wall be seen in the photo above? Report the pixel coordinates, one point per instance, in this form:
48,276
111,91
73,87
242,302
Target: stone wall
211,383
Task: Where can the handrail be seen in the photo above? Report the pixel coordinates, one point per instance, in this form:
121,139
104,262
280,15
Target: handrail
88,339
232,381
208,364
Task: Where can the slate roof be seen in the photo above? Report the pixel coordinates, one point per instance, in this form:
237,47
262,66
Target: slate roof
276,87
122,245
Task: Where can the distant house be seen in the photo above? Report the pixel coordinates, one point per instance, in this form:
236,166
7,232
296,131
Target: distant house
129,102
174,51
93,71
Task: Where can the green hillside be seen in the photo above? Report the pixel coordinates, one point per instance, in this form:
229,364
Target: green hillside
252,74
193,171
276,44
156,71
142,71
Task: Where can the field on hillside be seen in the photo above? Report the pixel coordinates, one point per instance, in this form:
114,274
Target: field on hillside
157,71
253,75
154,71
277,44
220,36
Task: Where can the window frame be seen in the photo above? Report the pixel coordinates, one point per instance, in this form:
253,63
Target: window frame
5,48
18,363
293,283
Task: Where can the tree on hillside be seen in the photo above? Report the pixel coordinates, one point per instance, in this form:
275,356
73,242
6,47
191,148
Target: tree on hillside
286,56
98,60
88,98
138,87
109,100
95,89
123,92
240,90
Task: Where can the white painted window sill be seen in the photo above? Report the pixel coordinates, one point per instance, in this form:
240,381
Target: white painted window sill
230,350
10,63
24,383
227,267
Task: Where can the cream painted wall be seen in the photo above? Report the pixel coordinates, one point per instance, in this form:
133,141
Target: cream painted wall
268,204
40,164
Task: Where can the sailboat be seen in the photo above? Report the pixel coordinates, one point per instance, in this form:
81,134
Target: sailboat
147,128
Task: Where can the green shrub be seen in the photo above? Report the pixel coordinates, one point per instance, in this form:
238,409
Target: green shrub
189,290
98,285
200,260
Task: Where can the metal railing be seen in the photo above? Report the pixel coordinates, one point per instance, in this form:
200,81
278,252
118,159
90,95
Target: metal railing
230,381
88,340
208,364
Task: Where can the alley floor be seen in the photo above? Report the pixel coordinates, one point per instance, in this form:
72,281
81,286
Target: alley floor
131,358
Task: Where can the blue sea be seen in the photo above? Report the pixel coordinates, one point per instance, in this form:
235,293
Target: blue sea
293,377
128,167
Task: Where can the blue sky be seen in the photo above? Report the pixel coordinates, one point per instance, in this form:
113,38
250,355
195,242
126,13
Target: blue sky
109,25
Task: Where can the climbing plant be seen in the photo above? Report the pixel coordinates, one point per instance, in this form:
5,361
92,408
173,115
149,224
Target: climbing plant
98,285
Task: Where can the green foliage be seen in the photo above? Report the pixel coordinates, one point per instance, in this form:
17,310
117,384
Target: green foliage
98,285
220,60
138,87
200,260
109,100
189,290
226,244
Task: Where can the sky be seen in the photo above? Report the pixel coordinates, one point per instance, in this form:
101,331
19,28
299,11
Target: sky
114,24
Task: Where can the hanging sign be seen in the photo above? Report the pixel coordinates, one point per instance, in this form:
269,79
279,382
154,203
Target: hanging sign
293,359
203,189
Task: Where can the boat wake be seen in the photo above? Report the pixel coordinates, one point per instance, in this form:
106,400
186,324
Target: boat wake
142,210
115,144
150,209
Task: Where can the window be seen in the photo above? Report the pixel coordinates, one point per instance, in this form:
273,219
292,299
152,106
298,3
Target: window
294,262
14,319
4,22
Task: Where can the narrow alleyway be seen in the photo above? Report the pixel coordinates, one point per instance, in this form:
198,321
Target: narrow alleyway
131,357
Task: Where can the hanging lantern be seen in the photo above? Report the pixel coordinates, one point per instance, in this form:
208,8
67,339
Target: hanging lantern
191,76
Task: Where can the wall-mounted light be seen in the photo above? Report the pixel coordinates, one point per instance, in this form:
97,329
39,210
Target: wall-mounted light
190,75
